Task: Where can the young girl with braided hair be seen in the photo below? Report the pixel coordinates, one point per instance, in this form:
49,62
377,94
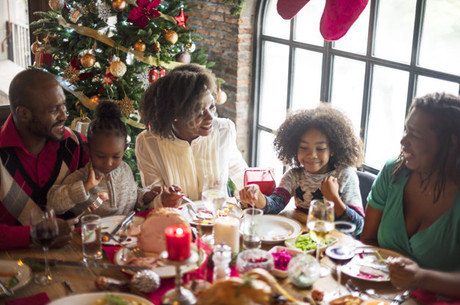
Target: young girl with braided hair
106,175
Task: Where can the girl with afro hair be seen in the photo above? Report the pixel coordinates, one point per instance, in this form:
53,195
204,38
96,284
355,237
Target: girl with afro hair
323,152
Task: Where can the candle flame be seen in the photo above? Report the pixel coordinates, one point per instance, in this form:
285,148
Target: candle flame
179,231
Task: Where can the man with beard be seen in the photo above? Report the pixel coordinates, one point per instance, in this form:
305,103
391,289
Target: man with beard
36,151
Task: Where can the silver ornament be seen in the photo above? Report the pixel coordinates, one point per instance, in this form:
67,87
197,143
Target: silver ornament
191,47
145,281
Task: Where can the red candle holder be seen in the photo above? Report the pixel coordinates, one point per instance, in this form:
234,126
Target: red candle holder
178,240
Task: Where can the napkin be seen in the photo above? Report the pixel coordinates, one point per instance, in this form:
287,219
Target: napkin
36,299
429,298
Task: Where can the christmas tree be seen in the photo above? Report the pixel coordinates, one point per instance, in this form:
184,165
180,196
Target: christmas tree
102,49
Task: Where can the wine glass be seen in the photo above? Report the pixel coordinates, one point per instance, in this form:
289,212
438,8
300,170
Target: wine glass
320,222
214,195
44,230
341,254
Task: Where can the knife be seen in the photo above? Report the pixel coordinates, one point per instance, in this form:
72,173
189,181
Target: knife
125,220
57,262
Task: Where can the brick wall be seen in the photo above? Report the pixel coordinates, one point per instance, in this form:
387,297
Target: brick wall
228,40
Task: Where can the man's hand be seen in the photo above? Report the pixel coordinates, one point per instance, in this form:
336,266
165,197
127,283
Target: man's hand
65,232
171,197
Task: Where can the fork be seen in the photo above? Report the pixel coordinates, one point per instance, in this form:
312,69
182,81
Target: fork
136,251
400,298
6,289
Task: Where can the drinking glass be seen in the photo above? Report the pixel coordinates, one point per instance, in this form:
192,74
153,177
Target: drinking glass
214,195
44,230
249,228
320,222
342,254
91,237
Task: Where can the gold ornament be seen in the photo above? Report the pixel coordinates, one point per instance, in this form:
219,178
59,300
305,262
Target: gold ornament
56,5
139,46
88,60
155,48
71,74
118,68
94,100
126,106
93,7
171,36
118,5
221,96
35,46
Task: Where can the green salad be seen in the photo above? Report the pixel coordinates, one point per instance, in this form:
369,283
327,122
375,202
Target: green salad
306,243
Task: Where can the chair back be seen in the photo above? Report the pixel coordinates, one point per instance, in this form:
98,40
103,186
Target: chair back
365,184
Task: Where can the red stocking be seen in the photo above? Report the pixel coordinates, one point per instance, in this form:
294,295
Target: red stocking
339,16
289,8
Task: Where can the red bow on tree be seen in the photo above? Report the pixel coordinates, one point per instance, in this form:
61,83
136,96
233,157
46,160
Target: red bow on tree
144,11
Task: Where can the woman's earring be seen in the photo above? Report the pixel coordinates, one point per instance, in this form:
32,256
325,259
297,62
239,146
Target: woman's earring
175,120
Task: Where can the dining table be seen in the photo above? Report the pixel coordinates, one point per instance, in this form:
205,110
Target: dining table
82,279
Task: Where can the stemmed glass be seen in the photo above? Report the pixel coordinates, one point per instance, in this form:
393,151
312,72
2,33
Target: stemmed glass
320,222
341,255
214,195
44,230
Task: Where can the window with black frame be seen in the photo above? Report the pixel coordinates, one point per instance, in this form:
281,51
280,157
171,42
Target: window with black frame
396,50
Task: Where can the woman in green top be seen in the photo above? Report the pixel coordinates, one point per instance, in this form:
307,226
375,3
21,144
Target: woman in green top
414,205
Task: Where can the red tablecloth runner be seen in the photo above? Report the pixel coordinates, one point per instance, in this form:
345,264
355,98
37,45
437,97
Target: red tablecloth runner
167,284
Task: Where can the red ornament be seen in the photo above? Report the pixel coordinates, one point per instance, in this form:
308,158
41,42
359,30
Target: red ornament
156,73
144,11
43,58
182,19
178,240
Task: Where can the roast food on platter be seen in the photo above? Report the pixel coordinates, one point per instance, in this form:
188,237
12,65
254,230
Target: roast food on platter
256,286
152,234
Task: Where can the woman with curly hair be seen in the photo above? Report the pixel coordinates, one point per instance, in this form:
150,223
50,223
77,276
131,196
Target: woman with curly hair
321,148
185,145
414,204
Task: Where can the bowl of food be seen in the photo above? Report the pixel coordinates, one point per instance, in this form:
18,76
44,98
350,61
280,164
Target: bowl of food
281,258
306,244
254,258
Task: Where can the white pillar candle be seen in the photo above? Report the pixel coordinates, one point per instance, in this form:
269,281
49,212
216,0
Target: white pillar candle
227,230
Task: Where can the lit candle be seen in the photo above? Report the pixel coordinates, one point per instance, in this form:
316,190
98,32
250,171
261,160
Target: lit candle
178,240
227,230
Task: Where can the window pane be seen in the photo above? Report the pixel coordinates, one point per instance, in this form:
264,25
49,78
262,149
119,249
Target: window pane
386,120
347,88
440,46
427,85
307,79
355,40
273,94
274,25
395,27
266,156
307,23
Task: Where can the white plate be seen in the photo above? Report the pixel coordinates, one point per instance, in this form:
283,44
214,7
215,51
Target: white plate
367,257
19,269
109,223
92,298
228,209
164,272
290,243
276,228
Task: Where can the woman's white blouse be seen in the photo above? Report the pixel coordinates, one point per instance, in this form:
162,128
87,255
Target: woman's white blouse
164,162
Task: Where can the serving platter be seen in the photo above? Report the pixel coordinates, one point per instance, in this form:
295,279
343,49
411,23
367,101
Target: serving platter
95,297
165,270
110,222
21,271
